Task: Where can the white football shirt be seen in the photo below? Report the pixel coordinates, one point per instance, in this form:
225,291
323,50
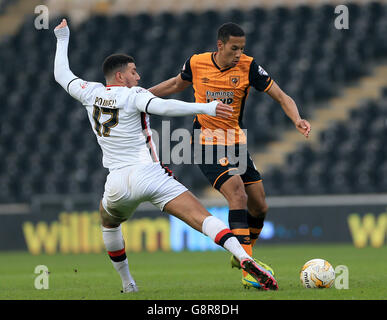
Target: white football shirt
119,115
119,121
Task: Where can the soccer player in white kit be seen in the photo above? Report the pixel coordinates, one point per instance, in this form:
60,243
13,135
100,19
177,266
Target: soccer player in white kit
119,116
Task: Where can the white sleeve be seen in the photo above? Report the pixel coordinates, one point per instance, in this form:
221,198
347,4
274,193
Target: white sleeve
62,72
149,103
139,98
76,87
83,90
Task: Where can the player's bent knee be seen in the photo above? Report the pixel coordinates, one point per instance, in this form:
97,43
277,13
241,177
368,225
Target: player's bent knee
237,198
234,192
240,195
259,211
107,221
262,209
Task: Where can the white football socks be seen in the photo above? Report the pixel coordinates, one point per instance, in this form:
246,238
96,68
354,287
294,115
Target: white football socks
222,235
114,243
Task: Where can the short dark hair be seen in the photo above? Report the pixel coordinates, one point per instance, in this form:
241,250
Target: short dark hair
115,62
229,29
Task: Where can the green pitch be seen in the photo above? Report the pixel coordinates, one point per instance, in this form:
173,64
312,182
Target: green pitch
191,275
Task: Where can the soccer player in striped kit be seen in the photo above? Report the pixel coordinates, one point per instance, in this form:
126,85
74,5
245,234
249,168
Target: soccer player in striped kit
119,116
227,75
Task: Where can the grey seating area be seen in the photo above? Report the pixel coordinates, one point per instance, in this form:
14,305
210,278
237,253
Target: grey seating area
47,145
351,158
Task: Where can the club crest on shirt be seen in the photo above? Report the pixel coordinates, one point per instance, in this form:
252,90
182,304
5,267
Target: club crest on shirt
84,84
234,81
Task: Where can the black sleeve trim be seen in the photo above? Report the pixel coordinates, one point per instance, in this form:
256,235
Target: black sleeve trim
147,105
186,73
70,83
259,81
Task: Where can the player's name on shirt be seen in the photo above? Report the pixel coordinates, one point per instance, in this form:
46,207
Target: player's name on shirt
101,102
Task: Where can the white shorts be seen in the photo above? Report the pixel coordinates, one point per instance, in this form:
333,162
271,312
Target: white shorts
127,187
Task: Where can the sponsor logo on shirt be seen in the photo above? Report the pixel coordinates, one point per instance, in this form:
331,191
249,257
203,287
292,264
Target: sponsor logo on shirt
141,90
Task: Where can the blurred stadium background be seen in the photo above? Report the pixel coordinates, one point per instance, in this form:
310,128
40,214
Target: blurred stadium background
329,188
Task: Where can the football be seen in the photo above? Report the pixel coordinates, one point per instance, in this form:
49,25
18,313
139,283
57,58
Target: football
317,273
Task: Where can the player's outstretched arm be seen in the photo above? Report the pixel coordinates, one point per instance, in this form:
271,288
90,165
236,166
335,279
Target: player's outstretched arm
148,103
177,108
170,86
290,108
76,87
62,72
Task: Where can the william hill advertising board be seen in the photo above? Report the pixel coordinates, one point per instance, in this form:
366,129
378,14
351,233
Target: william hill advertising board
363,224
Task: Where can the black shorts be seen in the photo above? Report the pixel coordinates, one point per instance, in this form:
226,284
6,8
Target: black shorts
219,163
